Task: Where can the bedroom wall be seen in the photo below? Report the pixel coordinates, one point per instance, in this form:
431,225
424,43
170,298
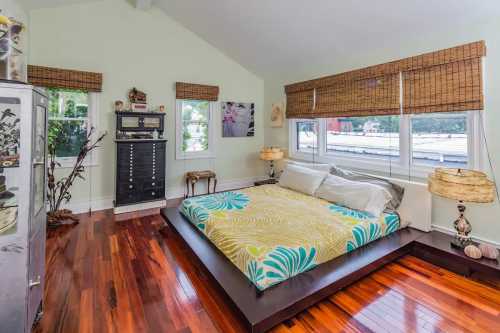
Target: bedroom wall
485,218
150,51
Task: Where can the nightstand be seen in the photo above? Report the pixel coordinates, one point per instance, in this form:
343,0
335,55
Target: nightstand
265,182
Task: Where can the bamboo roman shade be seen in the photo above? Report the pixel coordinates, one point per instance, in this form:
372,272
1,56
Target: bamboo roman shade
441,81
64,78
196,91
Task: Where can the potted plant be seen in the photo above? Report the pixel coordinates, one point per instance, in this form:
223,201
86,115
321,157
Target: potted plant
58,191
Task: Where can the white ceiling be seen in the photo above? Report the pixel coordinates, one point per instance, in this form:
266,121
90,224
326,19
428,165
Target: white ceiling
273,38
35,4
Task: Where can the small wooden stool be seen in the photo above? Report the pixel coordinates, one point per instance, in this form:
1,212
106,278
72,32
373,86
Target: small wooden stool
192,177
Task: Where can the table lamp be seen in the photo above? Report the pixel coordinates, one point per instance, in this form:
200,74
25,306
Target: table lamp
271,154
464,186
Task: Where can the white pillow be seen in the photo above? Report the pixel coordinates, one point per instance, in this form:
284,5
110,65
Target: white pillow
315,166
362,196
302,179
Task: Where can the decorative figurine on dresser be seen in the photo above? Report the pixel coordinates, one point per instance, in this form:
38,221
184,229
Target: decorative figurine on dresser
23,123
140,161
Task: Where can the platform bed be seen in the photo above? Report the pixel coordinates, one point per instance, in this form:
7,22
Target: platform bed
261,311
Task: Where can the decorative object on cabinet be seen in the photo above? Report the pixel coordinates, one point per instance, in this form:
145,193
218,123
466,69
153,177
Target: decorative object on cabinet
58,191
192,177
118,106
12,58
238,119
137,96
271,154
22,211
277,114
488,251
141,153
472,251
161,108
464,186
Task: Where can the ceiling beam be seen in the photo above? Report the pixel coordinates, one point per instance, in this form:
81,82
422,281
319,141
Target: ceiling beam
143,4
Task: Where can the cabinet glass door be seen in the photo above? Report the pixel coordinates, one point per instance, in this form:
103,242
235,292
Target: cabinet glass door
130,122
151,122
39,159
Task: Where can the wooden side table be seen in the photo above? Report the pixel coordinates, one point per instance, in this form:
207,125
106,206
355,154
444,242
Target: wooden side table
266,182
193,177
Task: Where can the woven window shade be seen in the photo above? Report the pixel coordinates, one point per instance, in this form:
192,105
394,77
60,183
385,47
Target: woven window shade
442,81
300,104
455,86
64,78
365,97
196,91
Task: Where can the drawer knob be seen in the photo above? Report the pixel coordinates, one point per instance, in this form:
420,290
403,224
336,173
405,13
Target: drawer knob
153,184
131,179
152,193
130,186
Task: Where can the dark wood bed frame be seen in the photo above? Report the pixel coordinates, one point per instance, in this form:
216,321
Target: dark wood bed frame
261,311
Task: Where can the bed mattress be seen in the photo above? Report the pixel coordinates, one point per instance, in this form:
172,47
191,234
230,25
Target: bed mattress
272,234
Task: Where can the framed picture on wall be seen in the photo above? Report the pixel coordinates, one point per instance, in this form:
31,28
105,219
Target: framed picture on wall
238,119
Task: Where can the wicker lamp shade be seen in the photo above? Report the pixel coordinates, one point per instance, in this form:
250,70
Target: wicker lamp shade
462,185
271,154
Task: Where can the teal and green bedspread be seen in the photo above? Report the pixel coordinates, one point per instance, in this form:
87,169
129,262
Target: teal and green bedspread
271,233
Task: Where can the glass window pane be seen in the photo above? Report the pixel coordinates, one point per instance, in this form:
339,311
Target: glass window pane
194,136
440,140
68,136
68,103
307,136
195,111
374,136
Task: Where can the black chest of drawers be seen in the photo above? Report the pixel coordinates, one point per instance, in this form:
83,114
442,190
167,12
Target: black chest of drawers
140,173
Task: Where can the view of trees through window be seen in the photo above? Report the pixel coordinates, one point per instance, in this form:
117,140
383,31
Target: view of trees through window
68,120
195,118
433,139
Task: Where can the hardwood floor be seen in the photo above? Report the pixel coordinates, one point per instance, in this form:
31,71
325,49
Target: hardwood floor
105,275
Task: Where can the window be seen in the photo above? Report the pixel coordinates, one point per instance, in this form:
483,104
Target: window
376,137
416,143
439,140
71,114
194,129
307,136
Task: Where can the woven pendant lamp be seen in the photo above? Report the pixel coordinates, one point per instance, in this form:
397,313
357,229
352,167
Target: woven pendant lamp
463,186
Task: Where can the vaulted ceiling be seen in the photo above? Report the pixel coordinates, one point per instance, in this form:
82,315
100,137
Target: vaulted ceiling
273,38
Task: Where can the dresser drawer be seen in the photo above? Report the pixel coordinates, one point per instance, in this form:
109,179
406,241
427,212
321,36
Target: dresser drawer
153,194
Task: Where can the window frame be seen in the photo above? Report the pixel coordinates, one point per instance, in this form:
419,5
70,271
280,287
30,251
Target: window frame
399,167
92,158
210,152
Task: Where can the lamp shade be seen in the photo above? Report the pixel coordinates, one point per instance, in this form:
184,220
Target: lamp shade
462,185
271,154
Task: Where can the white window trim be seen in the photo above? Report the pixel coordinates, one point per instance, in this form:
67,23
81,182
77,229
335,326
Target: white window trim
93,117
383,166
210,152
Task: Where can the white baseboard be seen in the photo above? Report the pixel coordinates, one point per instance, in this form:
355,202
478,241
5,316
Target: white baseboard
172,193
451,231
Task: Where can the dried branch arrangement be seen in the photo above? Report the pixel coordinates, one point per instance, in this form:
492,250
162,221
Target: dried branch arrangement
58,191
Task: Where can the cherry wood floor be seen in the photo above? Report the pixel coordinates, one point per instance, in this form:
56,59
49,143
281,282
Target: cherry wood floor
105,275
